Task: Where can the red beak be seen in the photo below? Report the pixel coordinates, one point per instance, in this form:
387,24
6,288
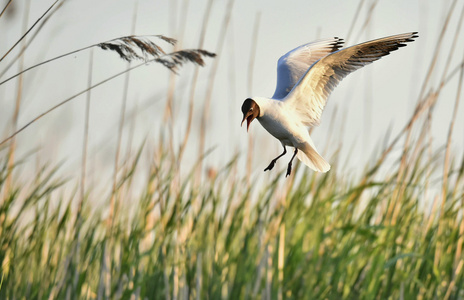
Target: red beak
248,118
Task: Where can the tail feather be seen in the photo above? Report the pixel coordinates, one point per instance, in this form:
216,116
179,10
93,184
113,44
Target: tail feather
309,156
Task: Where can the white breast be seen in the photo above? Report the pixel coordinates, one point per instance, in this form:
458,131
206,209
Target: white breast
283,126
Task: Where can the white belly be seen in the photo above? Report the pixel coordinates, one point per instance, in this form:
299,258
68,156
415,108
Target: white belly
284,130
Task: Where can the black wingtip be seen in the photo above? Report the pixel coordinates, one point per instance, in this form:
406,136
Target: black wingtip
337,44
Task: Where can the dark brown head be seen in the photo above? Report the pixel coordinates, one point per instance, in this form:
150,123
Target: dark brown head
250,111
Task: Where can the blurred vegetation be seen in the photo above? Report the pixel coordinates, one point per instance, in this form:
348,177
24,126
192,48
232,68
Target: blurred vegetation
325,239
393,231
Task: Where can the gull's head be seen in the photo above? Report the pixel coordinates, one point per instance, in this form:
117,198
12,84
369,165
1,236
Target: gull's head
250,111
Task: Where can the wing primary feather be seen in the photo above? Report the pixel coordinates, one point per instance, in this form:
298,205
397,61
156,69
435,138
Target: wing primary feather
309,95
294,64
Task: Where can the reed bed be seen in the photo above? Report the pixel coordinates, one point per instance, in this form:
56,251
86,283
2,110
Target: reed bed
329,238
166,231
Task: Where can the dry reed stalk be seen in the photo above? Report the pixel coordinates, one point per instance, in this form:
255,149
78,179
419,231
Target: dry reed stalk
114,203
368,18
452,48
437,50
456,106
114,192
261,268
439,249
425,129
104,279
355,18
64,102
280,261
281,251
175,270
171,61
129,48
86,135
12,148
457,258
249,157
455,110
459,179
269,268
27,32
30,40
193,84
368,95
78,221
330,137
232,88
128,153
421,106
402,174
168,112
432,215
416,151
458,255
206,108
168,117
452,285
427,126
199,277
4,9
262,259
165,273
251,64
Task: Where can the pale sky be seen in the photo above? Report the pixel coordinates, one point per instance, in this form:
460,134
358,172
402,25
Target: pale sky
368,102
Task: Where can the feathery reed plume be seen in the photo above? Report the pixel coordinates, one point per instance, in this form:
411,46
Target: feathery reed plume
176,59
129,48
171,60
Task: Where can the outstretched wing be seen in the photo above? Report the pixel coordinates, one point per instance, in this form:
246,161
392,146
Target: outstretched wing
294,64
310,94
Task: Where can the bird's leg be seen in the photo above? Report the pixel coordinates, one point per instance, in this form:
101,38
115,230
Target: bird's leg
289,169
271,165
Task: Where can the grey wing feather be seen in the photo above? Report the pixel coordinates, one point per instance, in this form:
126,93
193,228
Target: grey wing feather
309,96
294,64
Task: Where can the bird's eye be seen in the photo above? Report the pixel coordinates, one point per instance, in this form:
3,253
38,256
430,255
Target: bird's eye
251,109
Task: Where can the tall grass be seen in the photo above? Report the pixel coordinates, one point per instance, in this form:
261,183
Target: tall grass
337,244
167,231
